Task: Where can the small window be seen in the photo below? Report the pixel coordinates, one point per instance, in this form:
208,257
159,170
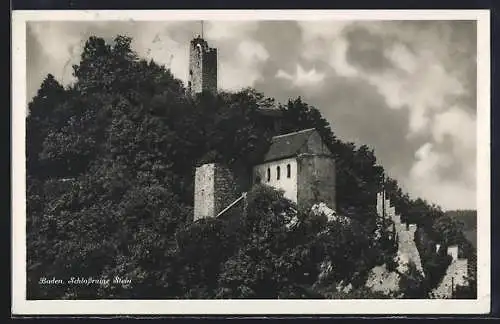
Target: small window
268,174
288,170
278,173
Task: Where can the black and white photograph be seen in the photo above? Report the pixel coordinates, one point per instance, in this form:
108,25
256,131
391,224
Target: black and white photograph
238,159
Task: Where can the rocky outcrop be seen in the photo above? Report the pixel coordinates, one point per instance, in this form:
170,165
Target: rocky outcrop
407,250
380,279
322,209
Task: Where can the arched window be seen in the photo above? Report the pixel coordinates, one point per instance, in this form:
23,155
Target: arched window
278,173
288,170
268,174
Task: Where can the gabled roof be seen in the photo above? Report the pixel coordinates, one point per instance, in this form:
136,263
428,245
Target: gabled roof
288,145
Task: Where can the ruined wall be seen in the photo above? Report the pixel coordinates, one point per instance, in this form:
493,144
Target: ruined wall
457,272
195,65
316,181
456,275
407,249
404,233
204,205
288,184
225,188
202,67
214,190
209,72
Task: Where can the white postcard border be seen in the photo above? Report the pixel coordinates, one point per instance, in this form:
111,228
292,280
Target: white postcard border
21,306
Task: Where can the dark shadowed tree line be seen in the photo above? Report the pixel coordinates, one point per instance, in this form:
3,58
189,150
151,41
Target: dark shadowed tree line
110,175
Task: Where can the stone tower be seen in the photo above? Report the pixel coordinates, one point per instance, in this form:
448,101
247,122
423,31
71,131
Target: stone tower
202,67
215,189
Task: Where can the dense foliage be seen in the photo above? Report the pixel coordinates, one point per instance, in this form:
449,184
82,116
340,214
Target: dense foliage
110,162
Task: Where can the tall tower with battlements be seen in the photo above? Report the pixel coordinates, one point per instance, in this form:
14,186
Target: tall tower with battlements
202,67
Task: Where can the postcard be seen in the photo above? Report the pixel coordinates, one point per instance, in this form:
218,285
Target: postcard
287,162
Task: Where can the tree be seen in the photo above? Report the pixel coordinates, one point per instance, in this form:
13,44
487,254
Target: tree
261,268
44,115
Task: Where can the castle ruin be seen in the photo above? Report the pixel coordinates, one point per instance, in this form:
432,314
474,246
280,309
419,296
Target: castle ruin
300,165
202,67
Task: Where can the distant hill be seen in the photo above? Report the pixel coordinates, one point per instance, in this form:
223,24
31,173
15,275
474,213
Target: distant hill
469,219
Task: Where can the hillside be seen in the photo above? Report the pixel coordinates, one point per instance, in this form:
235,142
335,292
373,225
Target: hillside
110,163
469,220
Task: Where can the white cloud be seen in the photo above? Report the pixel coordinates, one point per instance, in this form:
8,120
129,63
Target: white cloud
63,42
422,81
227,30
302,78
241,57
324,41
425,180
251,51
428,161
322,29
400,55
425,91
61,48
458,124
338,59
244,67
154,41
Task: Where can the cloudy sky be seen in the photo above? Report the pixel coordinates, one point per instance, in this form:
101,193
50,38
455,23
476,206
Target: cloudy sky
405,88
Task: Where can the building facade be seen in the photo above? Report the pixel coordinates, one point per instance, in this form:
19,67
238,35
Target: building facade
301,165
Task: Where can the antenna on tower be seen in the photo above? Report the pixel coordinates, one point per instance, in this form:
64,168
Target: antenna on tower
202,29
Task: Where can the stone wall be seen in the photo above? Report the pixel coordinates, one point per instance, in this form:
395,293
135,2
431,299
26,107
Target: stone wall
453,252
315,145
456,275
204,191
210,70
202,67
225,188
195,65
407,250
316,180
404,233
457,272
215,189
